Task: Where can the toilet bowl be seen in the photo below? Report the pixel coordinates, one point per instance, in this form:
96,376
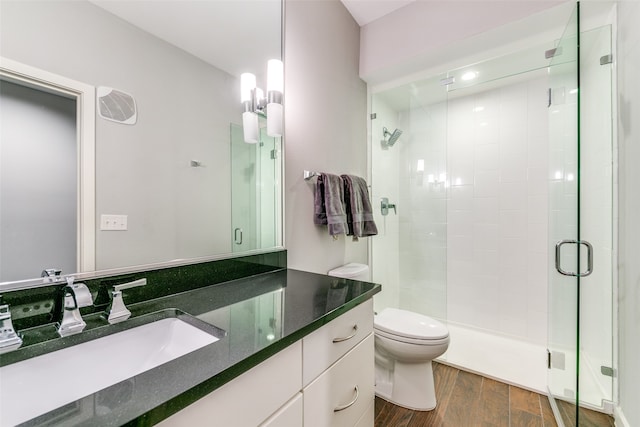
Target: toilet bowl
405,345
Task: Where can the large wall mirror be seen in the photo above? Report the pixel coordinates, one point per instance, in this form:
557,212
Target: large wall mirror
167,177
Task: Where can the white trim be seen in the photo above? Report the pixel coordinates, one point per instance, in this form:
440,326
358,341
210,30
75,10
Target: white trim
84,95
620,419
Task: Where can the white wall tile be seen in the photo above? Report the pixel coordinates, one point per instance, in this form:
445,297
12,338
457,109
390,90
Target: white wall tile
487,184
486,210
513,196
475,251
513,223
486,236
460,223
486,157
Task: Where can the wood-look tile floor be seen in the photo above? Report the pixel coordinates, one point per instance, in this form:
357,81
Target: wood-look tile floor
469,400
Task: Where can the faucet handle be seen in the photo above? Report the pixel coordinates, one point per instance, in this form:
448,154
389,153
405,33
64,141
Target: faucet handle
116,311
9,339
129,285
51,275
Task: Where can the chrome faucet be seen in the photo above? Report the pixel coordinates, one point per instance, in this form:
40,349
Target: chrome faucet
9,339
74,297
51,275
117,312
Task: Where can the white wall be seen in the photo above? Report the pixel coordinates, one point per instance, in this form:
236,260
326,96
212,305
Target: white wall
326,128
426,34
143,171
628,64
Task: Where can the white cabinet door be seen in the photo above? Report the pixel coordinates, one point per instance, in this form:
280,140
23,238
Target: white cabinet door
249,399
368,418
341,395
324,346
290,415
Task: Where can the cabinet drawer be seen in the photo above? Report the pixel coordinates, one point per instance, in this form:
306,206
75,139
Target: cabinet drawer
290,415
336,388
263,389
327,344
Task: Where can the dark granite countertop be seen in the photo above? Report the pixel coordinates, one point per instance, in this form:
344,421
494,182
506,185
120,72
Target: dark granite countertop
261,315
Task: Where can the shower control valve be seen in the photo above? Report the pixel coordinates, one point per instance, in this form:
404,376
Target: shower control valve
385,206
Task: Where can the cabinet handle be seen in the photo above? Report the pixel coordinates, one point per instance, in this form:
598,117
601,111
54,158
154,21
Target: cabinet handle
355,332
343,407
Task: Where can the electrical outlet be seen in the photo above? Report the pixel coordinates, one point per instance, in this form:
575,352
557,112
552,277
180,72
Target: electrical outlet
113,222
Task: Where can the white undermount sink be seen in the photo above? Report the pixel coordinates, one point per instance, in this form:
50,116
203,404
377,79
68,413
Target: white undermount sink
38,385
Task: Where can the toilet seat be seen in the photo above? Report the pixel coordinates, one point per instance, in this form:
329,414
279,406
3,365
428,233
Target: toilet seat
415,341
409,327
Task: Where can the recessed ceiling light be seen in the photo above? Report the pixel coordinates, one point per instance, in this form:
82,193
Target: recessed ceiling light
469,75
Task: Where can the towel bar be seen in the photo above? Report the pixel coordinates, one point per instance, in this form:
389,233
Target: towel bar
309,174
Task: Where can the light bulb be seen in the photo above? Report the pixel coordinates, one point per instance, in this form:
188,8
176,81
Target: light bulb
275,75
247,84
250,127
469,75
274,119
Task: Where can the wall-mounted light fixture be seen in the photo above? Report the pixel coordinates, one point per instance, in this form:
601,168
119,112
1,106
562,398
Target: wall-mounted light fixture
255,104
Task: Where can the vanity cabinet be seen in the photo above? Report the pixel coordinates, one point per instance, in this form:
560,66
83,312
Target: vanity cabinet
344,393
324,380
290,415
326,345
250,398
338,370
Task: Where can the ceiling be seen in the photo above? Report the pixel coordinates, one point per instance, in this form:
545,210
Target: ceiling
228,26
365,11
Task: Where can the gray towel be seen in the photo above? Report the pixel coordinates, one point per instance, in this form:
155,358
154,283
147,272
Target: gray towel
329,204
358,206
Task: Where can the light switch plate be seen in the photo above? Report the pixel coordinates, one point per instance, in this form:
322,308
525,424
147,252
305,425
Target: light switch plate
113,222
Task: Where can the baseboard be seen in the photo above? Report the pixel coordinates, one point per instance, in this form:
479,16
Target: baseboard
619,417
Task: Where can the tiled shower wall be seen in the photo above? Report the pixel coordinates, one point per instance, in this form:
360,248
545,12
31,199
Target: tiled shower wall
497,210
423,217
472,210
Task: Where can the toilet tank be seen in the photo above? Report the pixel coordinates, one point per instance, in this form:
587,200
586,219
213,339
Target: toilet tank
353,271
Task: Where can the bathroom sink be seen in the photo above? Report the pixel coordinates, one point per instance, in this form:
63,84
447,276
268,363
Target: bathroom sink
38,385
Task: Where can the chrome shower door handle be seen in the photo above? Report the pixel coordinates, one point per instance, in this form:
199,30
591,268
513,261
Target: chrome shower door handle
589,257
237,236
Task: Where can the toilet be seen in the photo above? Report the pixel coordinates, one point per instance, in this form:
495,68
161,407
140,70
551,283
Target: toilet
405,344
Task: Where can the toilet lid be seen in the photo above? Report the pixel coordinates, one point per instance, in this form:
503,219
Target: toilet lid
409,324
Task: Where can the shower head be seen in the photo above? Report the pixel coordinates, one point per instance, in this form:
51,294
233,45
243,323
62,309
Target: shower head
393,137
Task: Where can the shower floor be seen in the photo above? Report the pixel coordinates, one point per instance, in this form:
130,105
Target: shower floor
505,359
516,362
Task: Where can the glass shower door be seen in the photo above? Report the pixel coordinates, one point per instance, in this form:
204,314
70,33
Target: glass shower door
255,191
565,248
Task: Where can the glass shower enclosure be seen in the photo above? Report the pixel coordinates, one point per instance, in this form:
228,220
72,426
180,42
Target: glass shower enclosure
255,191
499,162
